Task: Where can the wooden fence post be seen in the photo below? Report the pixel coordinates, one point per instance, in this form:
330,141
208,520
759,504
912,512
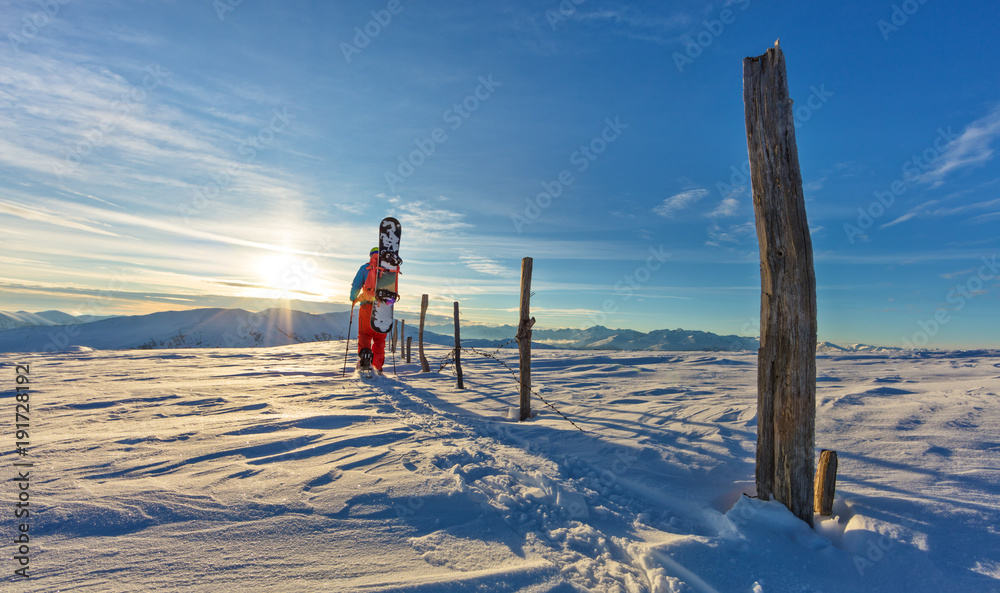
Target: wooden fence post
826,483
524,338
402,338
409,348
395,332
786,366
424,367
458,351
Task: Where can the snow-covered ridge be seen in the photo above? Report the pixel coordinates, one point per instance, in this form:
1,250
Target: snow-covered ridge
199,328
830,347
52,331
603,338
10,319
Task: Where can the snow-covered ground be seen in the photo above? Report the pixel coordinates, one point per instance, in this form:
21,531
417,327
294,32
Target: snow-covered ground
266,470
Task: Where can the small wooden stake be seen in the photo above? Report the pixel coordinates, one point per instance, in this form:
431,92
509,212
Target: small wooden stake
826,482
424,367
524,338
409,348
458,351
402,338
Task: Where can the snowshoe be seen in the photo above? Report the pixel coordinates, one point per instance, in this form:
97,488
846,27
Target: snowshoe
365,368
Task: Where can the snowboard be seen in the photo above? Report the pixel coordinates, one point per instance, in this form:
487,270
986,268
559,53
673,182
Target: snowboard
389,232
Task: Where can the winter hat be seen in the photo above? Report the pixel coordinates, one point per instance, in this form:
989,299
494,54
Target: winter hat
373,251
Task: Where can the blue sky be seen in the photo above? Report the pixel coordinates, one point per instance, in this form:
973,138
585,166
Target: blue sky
170,155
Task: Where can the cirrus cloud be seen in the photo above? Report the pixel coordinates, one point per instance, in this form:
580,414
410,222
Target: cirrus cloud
679,202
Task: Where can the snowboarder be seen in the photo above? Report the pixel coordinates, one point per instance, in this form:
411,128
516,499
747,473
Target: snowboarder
371,343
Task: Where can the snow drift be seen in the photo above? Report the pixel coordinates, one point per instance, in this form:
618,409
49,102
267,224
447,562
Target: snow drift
263,469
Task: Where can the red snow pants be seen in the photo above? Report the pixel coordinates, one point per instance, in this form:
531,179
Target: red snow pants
369,338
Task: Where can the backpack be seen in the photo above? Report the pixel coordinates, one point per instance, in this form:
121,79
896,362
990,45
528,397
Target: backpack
372,284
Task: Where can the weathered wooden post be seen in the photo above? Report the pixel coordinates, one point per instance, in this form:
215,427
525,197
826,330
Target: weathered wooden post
786,369
409,348
402,338
826,483
458,351
395,332
524,338
424,367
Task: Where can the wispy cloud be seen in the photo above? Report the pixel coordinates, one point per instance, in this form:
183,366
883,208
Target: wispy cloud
679,202
936,209
735,234
485,265
49,217
630,21
69,120
393,200
972,148
727,207
814,185
908,216
992,216
425,218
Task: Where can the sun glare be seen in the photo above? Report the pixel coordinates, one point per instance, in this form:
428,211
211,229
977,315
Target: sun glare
272,269
286,276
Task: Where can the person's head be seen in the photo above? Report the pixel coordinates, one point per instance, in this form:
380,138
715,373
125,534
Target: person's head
373,252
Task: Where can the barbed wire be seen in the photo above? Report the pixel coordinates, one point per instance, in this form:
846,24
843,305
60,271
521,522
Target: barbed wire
451,355
517,378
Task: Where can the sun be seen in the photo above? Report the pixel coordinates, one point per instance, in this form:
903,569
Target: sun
284,276
274,270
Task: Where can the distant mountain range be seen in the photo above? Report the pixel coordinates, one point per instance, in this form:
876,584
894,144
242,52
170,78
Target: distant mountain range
235,328
603,338
198,328
9,320
831,348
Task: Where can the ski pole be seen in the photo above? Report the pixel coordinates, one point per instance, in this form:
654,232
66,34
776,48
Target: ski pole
393,361
347,348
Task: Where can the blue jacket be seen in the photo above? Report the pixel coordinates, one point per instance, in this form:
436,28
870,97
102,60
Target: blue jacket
359,280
